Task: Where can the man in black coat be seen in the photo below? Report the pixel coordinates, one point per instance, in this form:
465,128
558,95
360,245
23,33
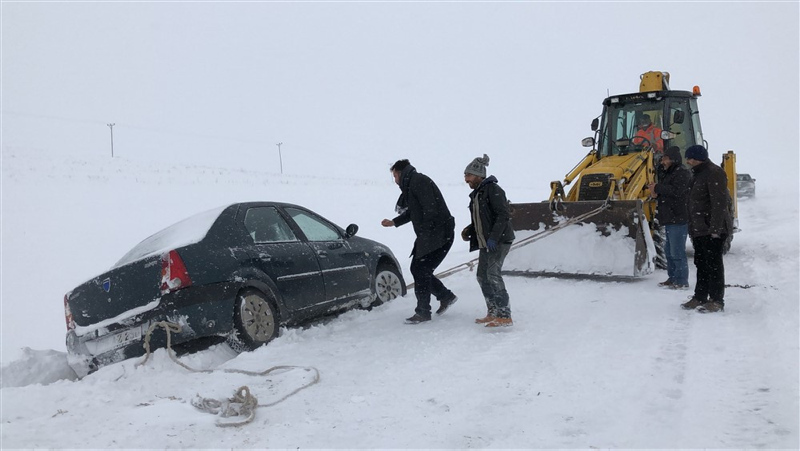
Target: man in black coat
491,234
710,223
672,193
422,204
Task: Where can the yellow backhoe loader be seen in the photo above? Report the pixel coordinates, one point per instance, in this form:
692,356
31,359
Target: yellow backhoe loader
609,185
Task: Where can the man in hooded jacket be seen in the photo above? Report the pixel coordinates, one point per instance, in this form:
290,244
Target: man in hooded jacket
491,234
672,194
422,204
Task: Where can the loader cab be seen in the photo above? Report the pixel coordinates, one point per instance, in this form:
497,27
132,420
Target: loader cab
674,112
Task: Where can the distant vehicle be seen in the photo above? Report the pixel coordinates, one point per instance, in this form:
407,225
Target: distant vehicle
745,185
238,272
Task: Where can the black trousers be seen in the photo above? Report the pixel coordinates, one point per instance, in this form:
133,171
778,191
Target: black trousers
425,282
710,270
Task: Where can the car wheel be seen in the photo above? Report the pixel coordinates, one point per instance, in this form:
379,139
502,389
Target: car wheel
255,322
388,284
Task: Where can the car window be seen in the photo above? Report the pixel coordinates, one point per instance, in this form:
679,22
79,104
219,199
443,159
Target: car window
265,225
315,228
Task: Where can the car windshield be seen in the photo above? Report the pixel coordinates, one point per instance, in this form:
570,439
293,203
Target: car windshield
190,230
743,177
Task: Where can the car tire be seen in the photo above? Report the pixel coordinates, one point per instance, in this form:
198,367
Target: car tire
388,284
255,321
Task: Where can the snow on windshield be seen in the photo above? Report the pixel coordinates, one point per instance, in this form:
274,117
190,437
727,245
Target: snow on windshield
190,230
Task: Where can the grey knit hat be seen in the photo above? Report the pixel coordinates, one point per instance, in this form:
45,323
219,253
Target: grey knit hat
478,166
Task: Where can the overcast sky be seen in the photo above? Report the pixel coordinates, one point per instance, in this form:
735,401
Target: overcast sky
351,87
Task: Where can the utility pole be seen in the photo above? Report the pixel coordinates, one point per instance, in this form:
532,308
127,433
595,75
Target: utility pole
111,126
279,156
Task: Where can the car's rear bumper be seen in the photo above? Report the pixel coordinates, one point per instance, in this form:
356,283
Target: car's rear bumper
199,311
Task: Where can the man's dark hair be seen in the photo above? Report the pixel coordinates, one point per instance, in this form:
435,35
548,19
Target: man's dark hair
399,165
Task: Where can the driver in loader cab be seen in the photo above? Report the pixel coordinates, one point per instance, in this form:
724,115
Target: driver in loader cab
646,130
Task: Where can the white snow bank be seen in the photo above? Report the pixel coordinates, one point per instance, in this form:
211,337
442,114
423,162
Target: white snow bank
36,367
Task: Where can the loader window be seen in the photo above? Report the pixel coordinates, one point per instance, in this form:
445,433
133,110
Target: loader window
686,133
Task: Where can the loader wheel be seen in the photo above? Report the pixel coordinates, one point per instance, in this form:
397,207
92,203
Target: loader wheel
659,240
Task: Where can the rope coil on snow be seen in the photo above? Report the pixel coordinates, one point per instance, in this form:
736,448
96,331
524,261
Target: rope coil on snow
243,403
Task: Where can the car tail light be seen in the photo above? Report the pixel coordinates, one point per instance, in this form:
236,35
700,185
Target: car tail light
173,273
68,314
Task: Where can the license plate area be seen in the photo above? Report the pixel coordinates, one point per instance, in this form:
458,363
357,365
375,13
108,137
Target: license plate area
114,341
126,336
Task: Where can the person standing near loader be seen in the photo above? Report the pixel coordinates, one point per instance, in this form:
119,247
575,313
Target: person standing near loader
672,194
710,223
491,233
422,204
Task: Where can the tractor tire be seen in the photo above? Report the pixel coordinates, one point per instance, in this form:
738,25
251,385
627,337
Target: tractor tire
660,240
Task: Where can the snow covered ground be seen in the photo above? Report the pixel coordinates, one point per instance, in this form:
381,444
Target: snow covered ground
587,364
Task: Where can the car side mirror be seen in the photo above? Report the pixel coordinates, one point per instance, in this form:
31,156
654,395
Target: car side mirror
754,180
595,124
350,231
678,117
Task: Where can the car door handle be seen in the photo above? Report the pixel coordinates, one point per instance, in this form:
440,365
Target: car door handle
265,257
321,253
335,246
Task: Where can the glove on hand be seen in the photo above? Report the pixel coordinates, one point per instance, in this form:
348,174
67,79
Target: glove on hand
491,245
465,234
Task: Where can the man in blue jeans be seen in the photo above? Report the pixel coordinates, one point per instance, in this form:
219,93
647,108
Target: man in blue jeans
672,194
491,234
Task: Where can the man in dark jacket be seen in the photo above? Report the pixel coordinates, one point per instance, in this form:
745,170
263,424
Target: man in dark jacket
492,234
672,193
710,223
422,204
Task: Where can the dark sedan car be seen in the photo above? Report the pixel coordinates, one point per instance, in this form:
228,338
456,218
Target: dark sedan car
238,272
745,185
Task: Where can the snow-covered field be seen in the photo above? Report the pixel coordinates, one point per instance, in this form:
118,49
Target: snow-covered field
587,364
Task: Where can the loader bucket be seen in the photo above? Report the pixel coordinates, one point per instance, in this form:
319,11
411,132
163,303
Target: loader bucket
585,239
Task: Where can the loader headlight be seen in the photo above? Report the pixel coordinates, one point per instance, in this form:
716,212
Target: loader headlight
587,142
666,134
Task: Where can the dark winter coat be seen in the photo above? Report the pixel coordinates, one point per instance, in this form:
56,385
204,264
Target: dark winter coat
494,214
423,205
673,193
709,202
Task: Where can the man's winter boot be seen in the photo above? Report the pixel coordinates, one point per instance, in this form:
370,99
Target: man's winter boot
417,318
711,307
500,322
484,320
446,305
692,304
667,283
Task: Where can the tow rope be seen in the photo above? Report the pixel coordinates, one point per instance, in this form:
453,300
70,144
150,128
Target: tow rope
243,403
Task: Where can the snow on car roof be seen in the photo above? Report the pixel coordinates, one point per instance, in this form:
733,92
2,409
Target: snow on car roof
189,231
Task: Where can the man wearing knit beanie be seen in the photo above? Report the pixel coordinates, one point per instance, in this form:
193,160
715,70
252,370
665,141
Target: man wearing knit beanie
491,234
710,223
